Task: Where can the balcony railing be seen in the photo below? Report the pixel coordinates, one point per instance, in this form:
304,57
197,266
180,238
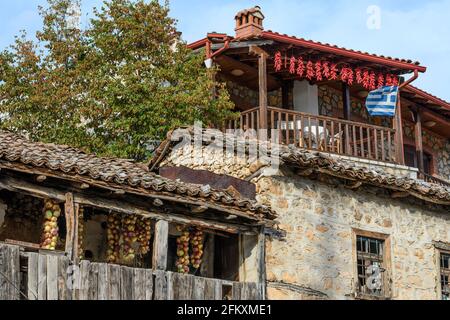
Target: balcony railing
432,179
321,133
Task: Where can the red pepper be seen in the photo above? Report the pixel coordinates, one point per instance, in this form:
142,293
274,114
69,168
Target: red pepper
344,74
350,76
395,81
300,67
372,81
310,73
359,77
334,72
326,70
292,63
319,71
380,80
366,79
278,61
388,80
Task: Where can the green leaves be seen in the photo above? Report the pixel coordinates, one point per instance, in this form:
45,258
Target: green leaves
113,88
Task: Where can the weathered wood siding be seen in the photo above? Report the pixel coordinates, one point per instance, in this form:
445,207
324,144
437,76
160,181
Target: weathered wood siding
52,277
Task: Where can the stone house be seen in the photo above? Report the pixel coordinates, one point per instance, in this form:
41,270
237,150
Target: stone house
362,202
336,219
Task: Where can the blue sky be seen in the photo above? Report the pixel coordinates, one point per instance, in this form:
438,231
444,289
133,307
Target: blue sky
414,29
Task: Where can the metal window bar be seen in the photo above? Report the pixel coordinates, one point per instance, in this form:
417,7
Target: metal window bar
370,252
445,276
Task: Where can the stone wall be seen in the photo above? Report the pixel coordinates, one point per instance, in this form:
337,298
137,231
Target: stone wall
316,258
331,105
245,98
439,146
318,252
443,161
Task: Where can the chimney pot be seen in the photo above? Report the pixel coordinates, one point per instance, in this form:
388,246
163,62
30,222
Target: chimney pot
249,22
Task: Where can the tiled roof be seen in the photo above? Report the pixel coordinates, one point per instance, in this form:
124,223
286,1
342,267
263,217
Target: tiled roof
426,95
323,163
406,63
117,172
332,166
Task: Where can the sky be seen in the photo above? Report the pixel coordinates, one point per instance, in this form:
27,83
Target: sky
414,29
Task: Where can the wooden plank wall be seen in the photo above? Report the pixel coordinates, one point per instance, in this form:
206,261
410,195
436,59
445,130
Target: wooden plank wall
9,273
51,277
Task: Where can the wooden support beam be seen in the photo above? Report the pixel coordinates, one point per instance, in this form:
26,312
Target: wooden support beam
286,88
261,261
76,243
398,194
69,211
122,206
160,245
346,98
262,76
263,104
60,196
418,140
399,147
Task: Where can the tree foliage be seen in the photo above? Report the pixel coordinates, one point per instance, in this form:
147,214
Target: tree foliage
112,88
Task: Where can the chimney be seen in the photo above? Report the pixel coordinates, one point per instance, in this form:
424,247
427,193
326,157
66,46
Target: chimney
249,22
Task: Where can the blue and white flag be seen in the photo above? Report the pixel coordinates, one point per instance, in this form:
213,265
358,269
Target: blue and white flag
382,102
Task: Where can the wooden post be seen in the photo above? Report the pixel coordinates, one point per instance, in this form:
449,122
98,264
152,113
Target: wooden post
418,140
262,67
346,98
262,76
399,148
262,262
71,214
160,245
285,90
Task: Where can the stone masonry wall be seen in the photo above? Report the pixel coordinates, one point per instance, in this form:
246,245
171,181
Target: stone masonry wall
250,98
315,259
318,252
331,104
440,147
443,162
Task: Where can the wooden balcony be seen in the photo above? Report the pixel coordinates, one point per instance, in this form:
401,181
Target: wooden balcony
321,133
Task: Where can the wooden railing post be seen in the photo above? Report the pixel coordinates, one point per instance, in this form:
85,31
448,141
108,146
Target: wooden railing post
160,245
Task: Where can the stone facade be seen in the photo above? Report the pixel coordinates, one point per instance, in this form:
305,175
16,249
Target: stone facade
245,98
439,147
318,250
316,258
331,105
443,161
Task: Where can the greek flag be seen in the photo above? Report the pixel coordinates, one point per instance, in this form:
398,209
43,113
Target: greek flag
382,102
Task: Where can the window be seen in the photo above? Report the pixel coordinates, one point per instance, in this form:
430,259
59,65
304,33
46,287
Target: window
411,159
371,258
445,275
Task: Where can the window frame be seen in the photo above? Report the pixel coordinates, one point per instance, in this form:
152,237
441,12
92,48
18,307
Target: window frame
440,250
386,264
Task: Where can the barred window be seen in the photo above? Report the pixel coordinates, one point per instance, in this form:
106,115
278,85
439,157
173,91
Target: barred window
370,261
445,275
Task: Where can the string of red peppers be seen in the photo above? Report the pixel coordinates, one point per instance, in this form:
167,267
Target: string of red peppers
320,70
